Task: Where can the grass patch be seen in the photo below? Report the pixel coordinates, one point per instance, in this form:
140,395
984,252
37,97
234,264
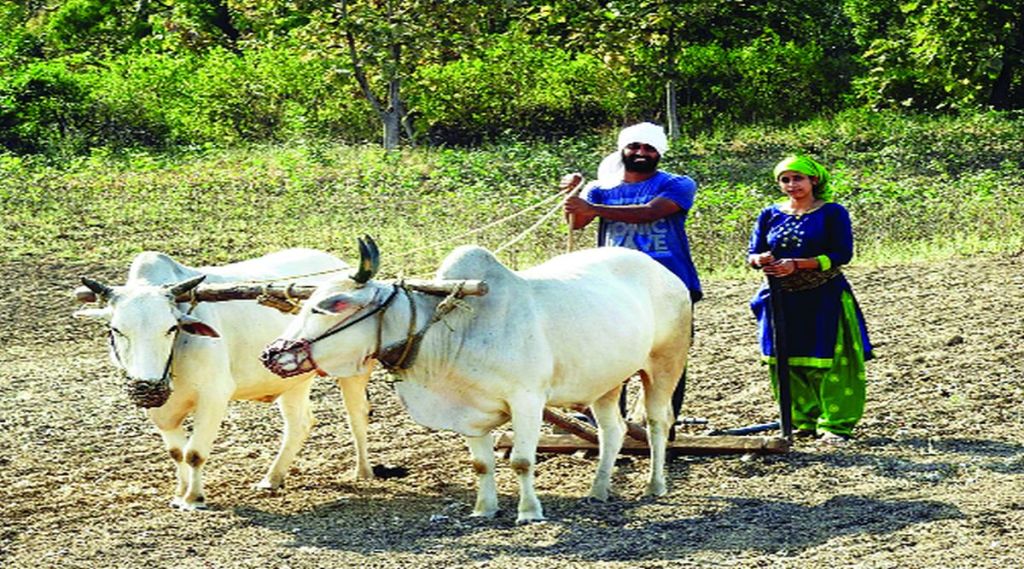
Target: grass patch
916,187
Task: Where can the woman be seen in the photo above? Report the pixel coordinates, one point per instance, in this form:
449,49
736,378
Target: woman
802,242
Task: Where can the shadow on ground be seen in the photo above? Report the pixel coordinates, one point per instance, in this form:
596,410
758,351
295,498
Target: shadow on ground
606,532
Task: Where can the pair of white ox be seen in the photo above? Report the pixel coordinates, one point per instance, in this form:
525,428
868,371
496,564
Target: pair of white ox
565,333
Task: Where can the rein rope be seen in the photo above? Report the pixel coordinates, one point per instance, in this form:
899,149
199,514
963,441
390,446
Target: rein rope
515,239
493,224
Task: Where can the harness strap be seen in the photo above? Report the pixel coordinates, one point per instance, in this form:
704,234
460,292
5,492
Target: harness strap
120,362
409,347
349,323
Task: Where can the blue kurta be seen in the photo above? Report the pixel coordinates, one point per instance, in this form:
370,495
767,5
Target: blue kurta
812,316
664,239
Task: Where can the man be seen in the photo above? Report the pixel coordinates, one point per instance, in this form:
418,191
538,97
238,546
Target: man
640,207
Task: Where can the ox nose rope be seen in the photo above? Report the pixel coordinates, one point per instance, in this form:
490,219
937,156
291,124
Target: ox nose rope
395,357
302,350
143,392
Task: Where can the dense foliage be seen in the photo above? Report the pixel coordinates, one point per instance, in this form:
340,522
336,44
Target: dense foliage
82,74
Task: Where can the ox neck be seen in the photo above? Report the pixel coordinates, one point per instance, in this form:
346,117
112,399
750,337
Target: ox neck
401,330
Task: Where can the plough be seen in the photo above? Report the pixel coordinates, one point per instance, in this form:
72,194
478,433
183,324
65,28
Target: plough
582,436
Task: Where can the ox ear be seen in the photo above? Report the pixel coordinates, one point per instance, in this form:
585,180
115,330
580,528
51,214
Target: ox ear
369,260
333,305
98,313
196,327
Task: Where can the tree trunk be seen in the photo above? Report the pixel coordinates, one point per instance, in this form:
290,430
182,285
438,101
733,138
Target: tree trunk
221,19
392,129
392,118
1000,97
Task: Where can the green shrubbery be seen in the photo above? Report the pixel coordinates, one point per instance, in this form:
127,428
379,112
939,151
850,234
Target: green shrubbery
535,91
765,81
71,104
84,74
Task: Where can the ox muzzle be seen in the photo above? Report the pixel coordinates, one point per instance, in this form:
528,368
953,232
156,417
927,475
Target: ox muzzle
288,358
148,393
145,393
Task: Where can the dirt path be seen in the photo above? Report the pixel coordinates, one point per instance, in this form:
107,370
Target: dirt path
935,476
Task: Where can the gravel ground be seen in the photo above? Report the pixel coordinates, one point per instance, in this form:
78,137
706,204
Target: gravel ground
934,477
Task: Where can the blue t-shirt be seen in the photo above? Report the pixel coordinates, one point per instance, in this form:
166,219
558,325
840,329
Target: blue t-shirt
664,239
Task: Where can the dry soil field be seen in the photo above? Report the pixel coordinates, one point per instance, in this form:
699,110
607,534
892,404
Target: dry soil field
934,478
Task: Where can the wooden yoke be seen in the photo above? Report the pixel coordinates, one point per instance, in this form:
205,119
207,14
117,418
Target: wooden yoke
250,291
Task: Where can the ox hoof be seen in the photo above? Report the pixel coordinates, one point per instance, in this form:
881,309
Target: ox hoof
656,490
180,503
363,474
593,500
268,484
488,514
531,519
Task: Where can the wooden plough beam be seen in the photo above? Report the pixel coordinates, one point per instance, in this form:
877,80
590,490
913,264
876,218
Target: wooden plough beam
583,436
249,291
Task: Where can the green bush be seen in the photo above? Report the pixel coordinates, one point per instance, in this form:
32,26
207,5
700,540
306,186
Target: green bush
157,100
539,91
767,80
224,98
46,107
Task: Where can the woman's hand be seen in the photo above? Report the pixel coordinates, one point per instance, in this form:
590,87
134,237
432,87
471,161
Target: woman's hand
758,260
781,268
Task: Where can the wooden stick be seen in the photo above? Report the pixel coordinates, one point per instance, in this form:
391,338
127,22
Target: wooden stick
684,444
636,431
249,291
577,428
573,191
778,319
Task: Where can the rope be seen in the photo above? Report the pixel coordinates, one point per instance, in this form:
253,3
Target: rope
484,228
459,237
529,229
516,238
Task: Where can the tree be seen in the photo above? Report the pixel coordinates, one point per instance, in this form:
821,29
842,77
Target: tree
385,40
935,54
652,40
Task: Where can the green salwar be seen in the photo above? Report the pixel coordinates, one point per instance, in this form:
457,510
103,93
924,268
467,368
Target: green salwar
829,395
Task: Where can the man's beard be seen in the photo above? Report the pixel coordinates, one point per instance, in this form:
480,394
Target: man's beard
646,166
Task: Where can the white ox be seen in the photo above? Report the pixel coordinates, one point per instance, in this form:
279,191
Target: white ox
210,353
564,333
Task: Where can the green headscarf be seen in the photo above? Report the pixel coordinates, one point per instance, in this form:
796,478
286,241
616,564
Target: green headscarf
807,166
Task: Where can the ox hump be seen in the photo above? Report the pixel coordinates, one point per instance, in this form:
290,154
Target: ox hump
473,262
156,268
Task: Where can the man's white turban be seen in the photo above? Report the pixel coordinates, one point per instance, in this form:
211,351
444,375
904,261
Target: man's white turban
611,170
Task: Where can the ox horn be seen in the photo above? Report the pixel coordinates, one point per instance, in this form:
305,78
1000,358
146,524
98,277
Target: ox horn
102,291
369,260
185,285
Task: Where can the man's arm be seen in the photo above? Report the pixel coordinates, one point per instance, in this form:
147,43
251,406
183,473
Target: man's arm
583,212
